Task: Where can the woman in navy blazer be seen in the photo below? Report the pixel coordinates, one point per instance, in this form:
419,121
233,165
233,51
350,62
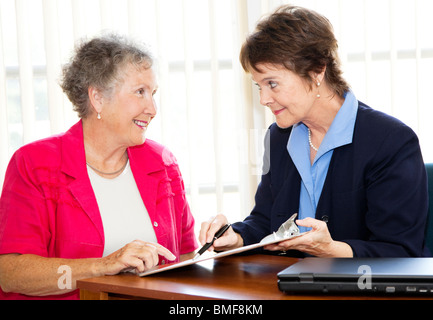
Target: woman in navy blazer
355,175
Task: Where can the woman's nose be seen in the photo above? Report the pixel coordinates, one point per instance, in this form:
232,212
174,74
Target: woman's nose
265,98
151,108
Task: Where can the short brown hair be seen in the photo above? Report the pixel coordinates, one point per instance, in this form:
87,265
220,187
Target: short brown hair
100,63
299,39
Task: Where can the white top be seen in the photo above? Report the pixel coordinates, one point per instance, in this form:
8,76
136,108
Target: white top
124,215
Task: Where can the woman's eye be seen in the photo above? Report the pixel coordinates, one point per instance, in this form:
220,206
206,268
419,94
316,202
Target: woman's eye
272,84
140,91
258,86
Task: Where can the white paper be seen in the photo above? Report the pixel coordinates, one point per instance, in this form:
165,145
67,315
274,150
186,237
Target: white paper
207,256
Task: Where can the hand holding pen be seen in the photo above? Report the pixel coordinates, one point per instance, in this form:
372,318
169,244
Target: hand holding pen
209,244
227,239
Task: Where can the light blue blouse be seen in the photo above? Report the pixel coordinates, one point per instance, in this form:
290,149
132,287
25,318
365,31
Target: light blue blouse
313,176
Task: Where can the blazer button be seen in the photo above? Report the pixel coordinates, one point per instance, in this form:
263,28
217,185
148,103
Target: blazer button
155,224
325,219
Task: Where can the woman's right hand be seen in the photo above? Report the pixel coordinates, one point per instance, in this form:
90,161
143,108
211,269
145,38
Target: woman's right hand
138,256
229,240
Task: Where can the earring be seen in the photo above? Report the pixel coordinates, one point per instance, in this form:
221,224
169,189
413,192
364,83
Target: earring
99,116
318,87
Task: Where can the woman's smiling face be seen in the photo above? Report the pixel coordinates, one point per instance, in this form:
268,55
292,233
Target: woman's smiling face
287,95
131,107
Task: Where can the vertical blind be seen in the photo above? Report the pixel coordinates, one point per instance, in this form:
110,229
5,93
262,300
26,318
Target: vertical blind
200,101
209,112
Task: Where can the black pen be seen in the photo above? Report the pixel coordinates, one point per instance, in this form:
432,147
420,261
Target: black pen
209,244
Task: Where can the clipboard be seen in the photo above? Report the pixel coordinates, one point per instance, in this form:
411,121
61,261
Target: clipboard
287,231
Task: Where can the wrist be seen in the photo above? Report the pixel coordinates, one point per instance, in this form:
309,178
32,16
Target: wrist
240,242
99,267
340,249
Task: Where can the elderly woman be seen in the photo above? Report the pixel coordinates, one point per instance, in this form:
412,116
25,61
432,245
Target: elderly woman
100,198
354,175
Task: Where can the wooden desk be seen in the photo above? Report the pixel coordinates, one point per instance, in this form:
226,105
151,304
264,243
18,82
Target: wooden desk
252,277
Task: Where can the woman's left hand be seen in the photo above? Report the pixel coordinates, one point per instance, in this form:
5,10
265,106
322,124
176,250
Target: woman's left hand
317,242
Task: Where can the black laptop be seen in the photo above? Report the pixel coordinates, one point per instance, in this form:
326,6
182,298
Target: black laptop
365,276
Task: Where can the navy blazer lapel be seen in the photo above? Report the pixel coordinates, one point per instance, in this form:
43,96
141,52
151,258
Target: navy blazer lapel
287,201
324,206
286,180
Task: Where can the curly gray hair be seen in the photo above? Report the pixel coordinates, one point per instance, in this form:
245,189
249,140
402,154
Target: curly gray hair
100,63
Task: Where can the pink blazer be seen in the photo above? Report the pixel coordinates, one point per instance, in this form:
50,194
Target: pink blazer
48,207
